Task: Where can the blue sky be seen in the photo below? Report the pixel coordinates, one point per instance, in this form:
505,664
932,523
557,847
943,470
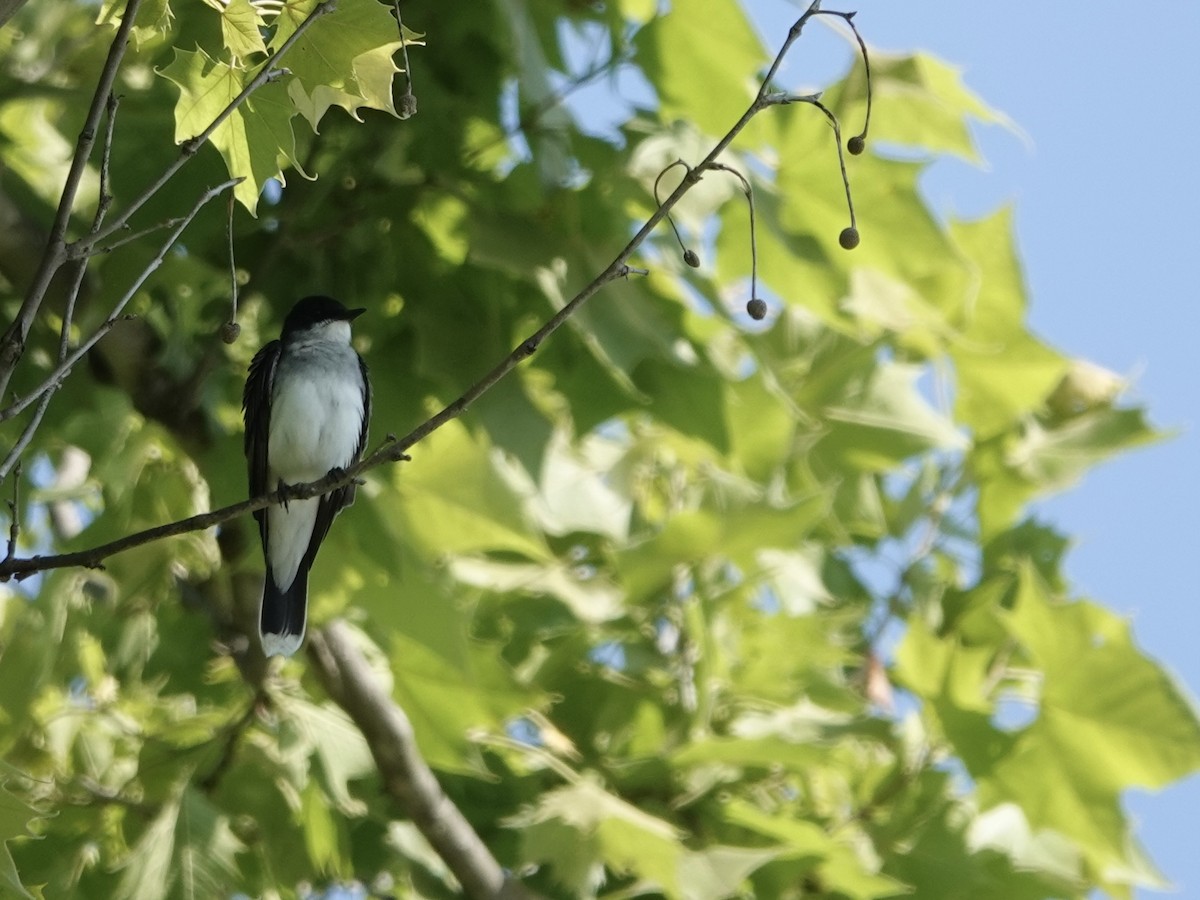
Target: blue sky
1105,188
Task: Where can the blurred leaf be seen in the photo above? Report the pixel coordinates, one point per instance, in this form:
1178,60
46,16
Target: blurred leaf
578,828
453,500
1003,369
187,850
15,817
919,102
702,60
1107,717
879,418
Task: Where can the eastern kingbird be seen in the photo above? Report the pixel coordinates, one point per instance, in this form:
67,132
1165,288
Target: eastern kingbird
306,405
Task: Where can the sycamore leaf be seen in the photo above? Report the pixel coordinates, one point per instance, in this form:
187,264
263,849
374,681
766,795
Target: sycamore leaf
1004,371
187,850
838,865
340,747
344,59
240,29
880,419
701,58
719,872
15,816
582,827
1108,718
739,534
918,101
256,141
153,18
455,500
1040,457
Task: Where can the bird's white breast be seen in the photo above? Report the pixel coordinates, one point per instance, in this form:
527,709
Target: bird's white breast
316,407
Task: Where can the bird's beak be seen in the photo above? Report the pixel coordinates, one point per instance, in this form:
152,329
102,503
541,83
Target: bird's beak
352,314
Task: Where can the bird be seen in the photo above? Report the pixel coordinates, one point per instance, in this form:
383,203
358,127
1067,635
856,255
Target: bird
306,406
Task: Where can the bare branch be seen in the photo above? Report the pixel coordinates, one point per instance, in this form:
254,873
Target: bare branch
54,380
8,9
14,508
64,341
348,679
12,345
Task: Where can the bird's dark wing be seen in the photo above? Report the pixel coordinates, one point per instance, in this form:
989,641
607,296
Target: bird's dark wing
362,437
256,410
335,501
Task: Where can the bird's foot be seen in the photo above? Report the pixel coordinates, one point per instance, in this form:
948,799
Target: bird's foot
286,492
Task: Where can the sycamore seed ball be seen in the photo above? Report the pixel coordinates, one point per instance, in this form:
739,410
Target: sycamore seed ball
856,144
691,258
757,308
848,238
229,332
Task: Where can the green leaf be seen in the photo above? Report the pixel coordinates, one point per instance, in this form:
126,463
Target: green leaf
719,872
1108,717
919,101
1004,371
344,59
327,732
578,827
702,58
153,20
321,832
15,817
240,28
454,500
879,418
737,534
187,850
256,141
590,598
838,866
1046,456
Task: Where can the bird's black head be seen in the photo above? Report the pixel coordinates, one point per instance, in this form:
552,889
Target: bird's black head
316,309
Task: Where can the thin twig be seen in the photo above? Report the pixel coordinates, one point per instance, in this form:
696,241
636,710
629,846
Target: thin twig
14,508
408,100
837,138
64,337
394,450
13,457
749,192
848,18
233,285
689,256
13,343
134,236
54,380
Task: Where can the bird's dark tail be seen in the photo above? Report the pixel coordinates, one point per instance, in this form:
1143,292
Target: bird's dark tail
282,616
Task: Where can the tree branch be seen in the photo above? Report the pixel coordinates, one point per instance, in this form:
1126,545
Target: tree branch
347,678
394,450
64,339
54,380
13,343
58,251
